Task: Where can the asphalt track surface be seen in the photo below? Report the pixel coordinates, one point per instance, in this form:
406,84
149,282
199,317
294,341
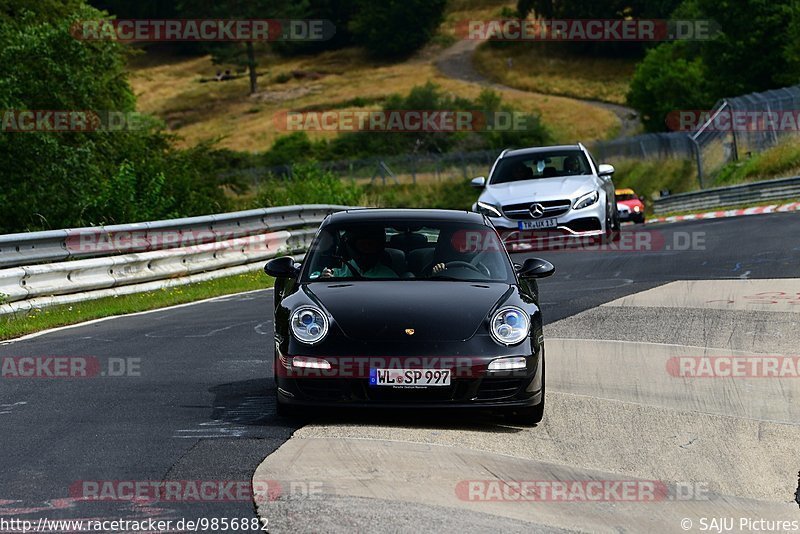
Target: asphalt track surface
201,408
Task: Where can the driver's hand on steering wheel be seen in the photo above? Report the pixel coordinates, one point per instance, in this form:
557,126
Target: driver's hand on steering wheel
439,267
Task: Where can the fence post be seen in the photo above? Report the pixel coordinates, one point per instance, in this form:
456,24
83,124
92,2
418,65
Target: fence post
699,159
733,133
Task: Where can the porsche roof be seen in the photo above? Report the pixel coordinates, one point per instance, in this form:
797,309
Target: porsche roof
382,214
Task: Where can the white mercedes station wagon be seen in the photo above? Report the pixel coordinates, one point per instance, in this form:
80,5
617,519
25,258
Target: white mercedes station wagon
549,192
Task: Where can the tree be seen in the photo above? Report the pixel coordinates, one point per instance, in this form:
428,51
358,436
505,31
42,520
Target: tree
339,13
137,9
396,28
756,49
238,53
65,179
600,9
753,50
668,79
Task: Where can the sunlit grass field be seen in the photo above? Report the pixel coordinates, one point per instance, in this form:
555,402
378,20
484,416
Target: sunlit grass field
171,88
547,68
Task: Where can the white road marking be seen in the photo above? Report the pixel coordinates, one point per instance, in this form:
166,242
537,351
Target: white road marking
259,328
146,312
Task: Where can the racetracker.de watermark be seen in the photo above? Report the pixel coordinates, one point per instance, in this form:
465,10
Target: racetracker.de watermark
754,366
93,241
50,120
728,120
55,367
542,240
209,30
401,120
600,30
194,491
580,491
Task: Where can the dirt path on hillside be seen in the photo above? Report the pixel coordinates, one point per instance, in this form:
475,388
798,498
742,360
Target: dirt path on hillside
456,62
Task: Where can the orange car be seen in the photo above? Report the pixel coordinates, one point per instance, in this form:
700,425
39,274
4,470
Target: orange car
629,205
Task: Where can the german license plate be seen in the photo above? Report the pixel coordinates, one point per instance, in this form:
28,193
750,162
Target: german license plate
538,224
409,377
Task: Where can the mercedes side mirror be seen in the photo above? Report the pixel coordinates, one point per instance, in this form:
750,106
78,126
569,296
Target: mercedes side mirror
535,268
478,183
604,169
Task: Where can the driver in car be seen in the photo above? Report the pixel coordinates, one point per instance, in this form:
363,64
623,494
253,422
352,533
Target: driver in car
366,249
520,172
572,165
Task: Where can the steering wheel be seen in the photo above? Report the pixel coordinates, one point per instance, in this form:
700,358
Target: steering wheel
483,269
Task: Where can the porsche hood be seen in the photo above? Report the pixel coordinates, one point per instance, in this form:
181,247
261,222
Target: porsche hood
391,311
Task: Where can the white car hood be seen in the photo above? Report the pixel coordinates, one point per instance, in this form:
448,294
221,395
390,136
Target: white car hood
563,187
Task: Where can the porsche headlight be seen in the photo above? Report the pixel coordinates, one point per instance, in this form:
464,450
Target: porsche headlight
309,324
584,201
489,210
510,325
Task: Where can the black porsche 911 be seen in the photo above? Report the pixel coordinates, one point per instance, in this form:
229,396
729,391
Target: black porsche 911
409,308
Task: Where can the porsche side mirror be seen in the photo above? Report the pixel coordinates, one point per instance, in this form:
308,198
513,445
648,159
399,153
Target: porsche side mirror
604,169
478,183
283,267
536,268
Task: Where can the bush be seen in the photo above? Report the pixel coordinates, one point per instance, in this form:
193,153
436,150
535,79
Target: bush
308,184
779,161
288,149
649,177
297,147
455,195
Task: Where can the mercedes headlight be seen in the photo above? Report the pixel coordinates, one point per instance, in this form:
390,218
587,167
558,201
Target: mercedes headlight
584,201
510,325
487,209
309,324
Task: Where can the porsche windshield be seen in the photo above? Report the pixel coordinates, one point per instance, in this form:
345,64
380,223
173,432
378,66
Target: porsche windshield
434,250
552,164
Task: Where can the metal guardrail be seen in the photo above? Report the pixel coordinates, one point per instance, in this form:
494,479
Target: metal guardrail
55,245
87,262
780,189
